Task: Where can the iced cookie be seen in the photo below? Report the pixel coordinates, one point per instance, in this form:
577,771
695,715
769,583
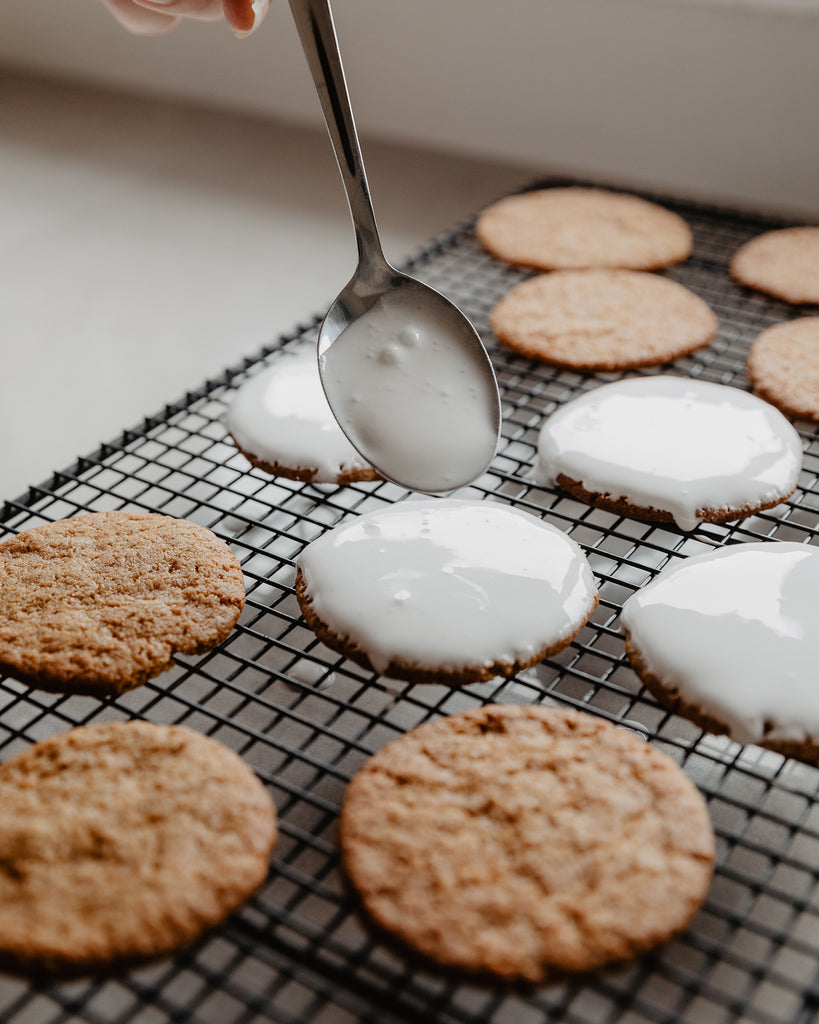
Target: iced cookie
572,228
100,603
731,639
526,842
122,842
603,319
783,366
783,263
669,449
281,422
445,591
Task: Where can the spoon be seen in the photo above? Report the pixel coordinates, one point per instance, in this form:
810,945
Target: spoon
405,373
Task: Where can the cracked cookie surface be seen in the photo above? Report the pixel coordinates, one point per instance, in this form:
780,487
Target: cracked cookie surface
123,841
100,603
526,842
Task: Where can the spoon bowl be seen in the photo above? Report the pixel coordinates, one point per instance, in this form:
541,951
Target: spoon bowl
404,371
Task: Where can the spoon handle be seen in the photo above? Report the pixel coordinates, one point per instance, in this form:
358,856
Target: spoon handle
314,22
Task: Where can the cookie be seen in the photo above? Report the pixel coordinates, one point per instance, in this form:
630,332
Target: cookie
574,228
282,424
122,842
602,319
100,603
783,263
731,640
669,449
445,591
526,842
783,367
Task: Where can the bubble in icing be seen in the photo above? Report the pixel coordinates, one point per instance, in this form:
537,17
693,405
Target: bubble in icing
448,585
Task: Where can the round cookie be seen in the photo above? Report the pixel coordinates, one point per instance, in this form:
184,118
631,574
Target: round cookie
783,366
100,603
783,263
574,228
526,842
122,842
669,449
445,591
603,319
282,423
730,639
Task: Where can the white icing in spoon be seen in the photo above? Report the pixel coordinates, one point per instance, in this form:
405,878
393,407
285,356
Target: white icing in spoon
736,633
281,416
682,446
449,584
410,388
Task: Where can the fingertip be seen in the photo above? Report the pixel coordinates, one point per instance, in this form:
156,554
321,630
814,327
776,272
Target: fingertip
245,16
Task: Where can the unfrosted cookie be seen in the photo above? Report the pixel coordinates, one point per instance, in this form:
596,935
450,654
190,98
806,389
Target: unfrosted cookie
100,603
669,449
783,263
281,422
569,228
783,366
731,639
445,591
122,842
526,842
603,319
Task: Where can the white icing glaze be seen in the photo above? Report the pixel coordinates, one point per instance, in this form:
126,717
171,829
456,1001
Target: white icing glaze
281,416
448,584
673,444
736,632
412,394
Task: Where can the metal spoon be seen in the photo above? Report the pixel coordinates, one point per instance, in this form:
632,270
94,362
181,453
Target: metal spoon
407,434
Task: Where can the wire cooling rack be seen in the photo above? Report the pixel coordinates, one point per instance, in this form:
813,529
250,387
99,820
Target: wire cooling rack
306,719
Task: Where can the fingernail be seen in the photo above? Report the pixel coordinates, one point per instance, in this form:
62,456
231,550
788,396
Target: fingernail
260,8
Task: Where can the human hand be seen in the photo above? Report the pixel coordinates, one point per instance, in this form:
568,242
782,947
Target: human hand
152,17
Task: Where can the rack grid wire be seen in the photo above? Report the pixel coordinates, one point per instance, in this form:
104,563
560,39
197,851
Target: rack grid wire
305,719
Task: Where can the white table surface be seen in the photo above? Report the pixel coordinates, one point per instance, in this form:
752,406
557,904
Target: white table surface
146,246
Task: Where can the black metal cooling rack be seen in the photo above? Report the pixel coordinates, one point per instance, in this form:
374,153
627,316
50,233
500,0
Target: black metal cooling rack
306,719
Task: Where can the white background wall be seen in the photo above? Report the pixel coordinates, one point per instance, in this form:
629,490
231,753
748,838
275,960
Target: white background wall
712,98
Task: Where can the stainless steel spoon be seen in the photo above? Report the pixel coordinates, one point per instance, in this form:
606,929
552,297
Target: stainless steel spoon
374,280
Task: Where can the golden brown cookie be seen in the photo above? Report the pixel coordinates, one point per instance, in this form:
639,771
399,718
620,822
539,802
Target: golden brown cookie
783,366
603,319
783,263
573,228
526,842
100,603
122,842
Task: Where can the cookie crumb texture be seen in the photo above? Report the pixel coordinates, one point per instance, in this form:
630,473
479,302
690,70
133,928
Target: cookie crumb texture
783,263
100,603
574,228
603,320
783,366
526,842
121,842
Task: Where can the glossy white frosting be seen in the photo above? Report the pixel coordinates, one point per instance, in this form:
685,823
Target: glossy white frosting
448,584
736,632
412,395
674,444
281,415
